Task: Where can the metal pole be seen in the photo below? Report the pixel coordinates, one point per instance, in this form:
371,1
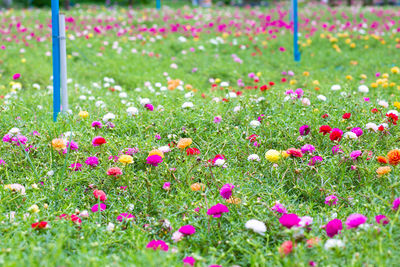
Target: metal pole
158,4
295,32
63,65
56,58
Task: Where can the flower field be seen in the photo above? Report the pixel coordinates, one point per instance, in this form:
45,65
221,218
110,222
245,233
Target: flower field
194,139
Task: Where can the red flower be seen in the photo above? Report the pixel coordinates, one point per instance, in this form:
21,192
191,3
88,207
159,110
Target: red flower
264,88
283,80
40,225
286,248
381,128
252,138
295,152
192,151
325,116
336,135
374,110
325,129
346,116
98,141
392,118
271,83
99,194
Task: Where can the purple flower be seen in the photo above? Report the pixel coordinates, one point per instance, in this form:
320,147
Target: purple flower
278,207
396,204
131,151
217,119
226,191
124,216
167,186
76,166
97,124
154,160
289,220
157,244
217,210
96,207
299,92
331,200
188,261
304,130
35,133
333,227
187,230
307,149
2,162
289,92
358,131
336,150
157,136
382,219
355,220
315,160
72,145
355,154
92,161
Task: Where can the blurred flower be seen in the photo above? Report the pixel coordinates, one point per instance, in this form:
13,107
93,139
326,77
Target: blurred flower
217,210
289,220
157,245
125,159
355,220
257,226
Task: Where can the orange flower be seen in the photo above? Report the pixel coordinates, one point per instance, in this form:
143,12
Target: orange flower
197,187
312,242
234,200
184,142
382,159
59,144
156,152
383,170
394,157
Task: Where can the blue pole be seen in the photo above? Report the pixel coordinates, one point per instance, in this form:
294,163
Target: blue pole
158,4
56,57
295,32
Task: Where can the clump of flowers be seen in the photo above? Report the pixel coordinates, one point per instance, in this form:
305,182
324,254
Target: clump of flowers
157,245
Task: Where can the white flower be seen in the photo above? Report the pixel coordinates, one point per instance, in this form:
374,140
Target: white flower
68,134
110,227
123,95
219,162
287,98
82,97
371,126
100,104
305,101
350,135
164,149
177,236
84,214
182,39
237,109
255,123
383,103
132,111
144,101
14,131
253,157
336,87
344,94
36,86
333,243
224,84
189,95
160,108
216,99
256,225
395,112
231,95
50,173
321,97
305,221
363,89
187,105
108,117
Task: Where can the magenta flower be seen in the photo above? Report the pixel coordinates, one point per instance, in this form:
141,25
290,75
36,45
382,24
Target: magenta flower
92,161
2,162
157,244
355,154
96,207
217,119
124,216
289,220
16,76
278,207
130,151
167,186
226,191
333,227
217,210
97,124
187,230
76,166
381,219
188,261
304,130
157,136
72,146
154,160
336,150
396,204
358,131
315,160
331,200
355,220
149,107
307,149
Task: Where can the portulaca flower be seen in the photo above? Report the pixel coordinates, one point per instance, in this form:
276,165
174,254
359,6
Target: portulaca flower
231,95
371,126
123,95
82,97
237,109
187,105
189,95
257,226
100,104
110,227
305,101
336,87
216,99
14,131
363,89
144,101
393,111
132,111
333,243
255,123
164,149
253,157
383,103
224,84
350,135
108,117
305,221
321,97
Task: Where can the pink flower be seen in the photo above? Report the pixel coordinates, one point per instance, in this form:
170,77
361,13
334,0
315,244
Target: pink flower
294,152
333,227
149,107
226,191
289,220
16,76
114,171
188,261
96,207
124,216
154,160
98,141
304,130
331,200
167,186
278,207
157,244
307,149
355,154
355,220
99,194
217,210
97,124
92,161
187,230
217,119
382,219
76,166
396,204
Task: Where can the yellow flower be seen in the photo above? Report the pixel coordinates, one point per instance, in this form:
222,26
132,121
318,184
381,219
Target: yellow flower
197,187
292,82
352,45
383,170
395,70
316,82
156,152
284,154
272,155
184,142
374,85
59,144
349,77
259,74
385,75
234,200
218,80
306,73
396,104
83,114
126,159
34,209
363,76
